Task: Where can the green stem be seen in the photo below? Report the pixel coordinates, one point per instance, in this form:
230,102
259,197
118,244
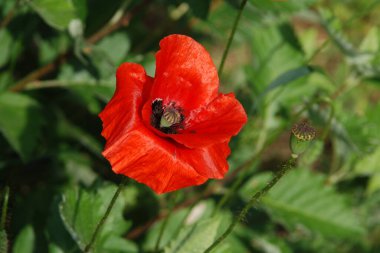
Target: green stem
105,216
225,53
5,207
165,222
255,198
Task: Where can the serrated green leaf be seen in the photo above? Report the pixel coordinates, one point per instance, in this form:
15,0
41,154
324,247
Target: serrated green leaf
196,238
24,242
57,13
20,122
302,197
81,209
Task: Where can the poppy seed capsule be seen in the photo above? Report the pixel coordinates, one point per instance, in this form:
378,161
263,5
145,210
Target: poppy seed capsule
170,117
302,135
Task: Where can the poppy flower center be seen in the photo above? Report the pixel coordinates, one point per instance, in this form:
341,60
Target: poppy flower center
166,118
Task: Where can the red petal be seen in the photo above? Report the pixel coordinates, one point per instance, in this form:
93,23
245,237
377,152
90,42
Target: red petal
185,73
122,113
162,165
216,123
210,161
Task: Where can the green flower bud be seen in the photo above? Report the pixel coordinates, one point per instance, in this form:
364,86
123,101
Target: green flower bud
302,135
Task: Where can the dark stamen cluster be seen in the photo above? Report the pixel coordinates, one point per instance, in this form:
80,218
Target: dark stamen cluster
159,111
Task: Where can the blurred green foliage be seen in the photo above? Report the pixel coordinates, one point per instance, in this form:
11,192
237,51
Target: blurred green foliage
290,60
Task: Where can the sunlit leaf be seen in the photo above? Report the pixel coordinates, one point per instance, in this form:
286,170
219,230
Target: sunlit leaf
302,198
57,13
176,222
197,237
81,209
25,241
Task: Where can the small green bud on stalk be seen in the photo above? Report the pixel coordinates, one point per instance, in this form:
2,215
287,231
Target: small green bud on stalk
302,136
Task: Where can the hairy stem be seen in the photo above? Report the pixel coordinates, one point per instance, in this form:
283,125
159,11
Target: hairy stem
254,200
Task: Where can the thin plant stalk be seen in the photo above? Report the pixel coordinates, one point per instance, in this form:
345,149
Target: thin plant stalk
106,214
232,34
165,222
254,200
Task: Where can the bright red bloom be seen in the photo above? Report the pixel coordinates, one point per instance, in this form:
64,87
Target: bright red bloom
171,131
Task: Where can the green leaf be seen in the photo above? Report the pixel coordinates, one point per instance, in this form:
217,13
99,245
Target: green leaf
172,228
81,210
115,46
20,122
369,164
57,13
370,43
176,221
302,197
118,244
274,46
59,238
196,238
374,184
24,242
3,241
110,52
288,77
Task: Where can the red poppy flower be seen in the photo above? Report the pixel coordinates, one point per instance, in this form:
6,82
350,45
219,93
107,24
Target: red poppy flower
171,131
